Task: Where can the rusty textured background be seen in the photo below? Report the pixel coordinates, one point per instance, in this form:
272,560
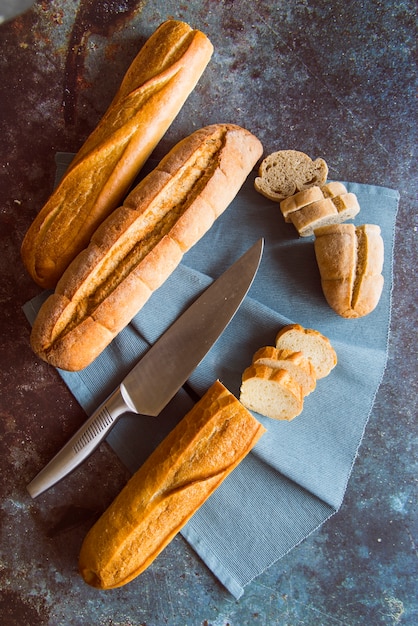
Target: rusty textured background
336,80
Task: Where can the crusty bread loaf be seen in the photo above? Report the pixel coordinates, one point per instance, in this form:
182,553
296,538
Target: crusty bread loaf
350,261
139,245
271,392
298,366
285,172
185,469
315,347
154,89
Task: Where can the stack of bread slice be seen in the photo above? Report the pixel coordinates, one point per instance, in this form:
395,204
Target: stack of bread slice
319,206
281,376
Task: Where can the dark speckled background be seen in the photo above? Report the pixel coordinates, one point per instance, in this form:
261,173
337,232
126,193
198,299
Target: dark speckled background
336,80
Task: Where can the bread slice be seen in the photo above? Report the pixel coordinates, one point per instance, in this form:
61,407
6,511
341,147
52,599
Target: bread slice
271,392
284,173
298,200
295,363
330,210
333,189
317,213
350,261
315,347
313,194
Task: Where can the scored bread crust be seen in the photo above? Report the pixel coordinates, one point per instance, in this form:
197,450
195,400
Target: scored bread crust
350,261
139,245
185,469
285,172
153,91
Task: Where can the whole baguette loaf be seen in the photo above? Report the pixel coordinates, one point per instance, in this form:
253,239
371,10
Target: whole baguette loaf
350,262
185,469
154,89
140,244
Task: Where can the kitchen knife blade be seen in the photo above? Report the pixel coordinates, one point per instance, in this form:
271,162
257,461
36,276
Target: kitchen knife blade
164,368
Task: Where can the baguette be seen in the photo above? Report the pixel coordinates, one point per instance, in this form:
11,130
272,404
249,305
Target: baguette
185,469
350,262
137,247
154,89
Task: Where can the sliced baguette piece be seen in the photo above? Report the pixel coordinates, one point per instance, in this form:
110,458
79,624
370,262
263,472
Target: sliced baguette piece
152,92
333,189
271,392
331,210
299,368
313,194
299,200
140,244
286,172
350,261
178,477
315,347
322,212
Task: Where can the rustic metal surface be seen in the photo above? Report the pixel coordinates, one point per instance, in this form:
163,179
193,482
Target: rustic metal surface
335,80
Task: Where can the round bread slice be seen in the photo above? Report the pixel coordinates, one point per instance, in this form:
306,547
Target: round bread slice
284,173
315,347
271,392
295,363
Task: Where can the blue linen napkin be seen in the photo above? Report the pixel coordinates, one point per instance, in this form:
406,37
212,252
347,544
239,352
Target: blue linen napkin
296,476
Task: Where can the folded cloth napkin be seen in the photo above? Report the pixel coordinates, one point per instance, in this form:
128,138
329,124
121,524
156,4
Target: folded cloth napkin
296,476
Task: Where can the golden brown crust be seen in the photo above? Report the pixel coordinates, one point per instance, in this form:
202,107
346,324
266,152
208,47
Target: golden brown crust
152,93
350,261
137,247
185,469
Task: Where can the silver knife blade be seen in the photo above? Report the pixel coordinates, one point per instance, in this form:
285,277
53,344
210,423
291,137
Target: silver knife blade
160,373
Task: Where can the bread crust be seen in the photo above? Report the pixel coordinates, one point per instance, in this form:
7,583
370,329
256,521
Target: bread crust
140,244
185,469
154,89
350,261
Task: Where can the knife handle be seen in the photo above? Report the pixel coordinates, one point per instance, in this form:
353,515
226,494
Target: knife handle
81,444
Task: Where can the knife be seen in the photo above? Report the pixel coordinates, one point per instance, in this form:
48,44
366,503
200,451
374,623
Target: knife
164,368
